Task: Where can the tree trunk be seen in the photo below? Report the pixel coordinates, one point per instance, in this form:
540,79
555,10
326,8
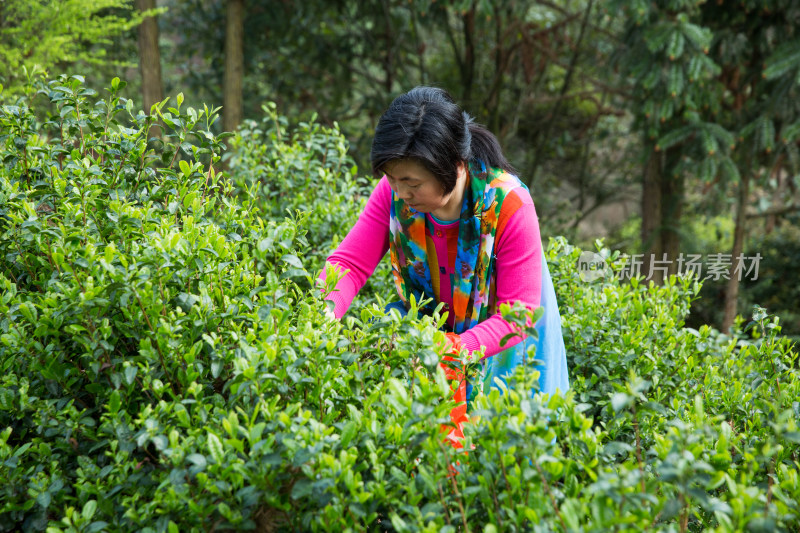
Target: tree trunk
492,101
388,62
234,65
732,288
651,214
671,210
150,60
423,77
468,72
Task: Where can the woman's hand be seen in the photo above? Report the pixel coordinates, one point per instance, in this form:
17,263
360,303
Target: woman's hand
329,313
454,345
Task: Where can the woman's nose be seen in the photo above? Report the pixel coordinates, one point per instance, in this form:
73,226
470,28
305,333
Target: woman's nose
403,193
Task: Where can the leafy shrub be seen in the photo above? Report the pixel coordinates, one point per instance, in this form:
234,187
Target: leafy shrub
305,167
166,364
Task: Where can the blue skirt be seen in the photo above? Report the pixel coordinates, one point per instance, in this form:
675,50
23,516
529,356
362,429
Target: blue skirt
550,351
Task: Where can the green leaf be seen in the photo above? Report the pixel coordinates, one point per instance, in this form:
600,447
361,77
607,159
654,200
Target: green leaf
130,374
348,433
265,244
616,447
675,136
293,260
28,310
620,401
294,273
730,169
88,510
429,358
792,436
215,448
198,460
114,403
301,489
185,168
398,523
784,60
185,301
537,314
43,499
675,48
216,368
699,37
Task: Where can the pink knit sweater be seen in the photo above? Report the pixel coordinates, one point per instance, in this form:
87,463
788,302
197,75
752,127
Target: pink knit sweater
518,248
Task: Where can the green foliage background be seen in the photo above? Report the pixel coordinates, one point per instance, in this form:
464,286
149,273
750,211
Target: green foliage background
166,364
46,34
581,94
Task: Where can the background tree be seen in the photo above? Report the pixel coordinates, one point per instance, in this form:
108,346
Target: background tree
670,80
149,55
51,33
714,83
647,143
234,65
757,46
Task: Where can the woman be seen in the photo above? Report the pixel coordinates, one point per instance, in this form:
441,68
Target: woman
461,229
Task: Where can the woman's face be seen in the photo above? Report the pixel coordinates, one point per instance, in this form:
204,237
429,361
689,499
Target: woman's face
416,186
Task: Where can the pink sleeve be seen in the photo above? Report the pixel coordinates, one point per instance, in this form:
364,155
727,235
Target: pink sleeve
518,268
362,249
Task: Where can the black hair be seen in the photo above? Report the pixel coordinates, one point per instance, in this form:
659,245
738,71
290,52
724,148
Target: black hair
425,125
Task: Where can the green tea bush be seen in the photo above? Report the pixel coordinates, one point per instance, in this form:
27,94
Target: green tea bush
166,364
304,167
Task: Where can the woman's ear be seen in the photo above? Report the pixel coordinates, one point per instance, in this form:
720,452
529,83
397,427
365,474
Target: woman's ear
461,169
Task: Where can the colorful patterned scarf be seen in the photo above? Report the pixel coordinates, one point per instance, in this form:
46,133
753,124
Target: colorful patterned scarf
472,282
